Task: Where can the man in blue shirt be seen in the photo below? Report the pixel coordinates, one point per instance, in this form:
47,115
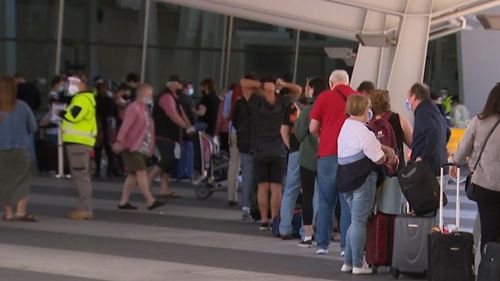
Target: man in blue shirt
431,133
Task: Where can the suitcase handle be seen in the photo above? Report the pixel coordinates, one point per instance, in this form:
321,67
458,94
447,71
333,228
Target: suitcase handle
441,190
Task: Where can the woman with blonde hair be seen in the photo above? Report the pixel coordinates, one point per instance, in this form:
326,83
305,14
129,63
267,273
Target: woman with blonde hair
16,124
360,156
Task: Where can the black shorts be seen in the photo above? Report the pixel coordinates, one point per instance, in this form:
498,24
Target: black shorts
269,170
167,156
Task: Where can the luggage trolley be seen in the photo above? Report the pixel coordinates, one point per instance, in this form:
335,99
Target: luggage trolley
213,161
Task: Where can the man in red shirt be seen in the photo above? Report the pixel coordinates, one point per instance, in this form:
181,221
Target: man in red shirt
327,117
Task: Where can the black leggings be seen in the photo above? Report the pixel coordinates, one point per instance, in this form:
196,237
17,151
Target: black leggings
488,204
307,180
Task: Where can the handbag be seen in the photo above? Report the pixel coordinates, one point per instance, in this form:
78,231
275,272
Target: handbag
470,188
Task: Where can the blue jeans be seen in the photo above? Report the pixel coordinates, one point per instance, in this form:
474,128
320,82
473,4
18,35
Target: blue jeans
185,164
248,179
31,147
292,190
361,204
327,194
345,219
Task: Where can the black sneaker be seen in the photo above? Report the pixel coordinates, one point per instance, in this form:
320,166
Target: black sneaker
156,204
264,226
287,237
305,244
127,206
232,203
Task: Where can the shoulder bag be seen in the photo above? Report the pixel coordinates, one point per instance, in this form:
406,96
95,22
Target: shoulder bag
470,188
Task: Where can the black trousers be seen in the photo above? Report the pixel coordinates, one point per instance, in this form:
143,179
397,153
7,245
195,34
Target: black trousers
488,204
307,180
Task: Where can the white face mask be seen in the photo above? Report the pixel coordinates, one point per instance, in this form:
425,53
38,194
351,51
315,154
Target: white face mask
72,87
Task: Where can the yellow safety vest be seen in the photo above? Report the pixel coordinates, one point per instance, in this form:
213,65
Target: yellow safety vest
82,128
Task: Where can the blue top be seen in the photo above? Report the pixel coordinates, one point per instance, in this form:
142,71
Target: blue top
16,128
430,136
227,109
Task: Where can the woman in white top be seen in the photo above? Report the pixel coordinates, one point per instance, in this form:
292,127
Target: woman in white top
360,156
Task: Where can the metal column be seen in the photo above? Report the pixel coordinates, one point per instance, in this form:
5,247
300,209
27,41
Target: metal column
296,56
228,51
222,54
145,40
60,20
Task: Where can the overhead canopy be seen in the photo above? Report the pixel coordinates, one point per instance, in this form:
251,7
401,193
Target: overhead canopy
338,18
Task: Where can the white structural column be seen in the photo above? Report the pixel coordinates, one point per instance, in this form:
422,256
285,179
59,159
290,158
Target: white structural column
369,59
410,52
396,68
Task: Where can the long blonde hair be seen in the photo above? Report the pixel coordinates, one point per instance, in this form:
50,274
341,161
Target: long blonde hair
7,93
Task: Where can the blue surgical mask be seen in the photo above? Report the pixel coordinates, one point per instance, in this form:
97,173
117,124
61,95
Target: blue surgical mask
370,115
407,105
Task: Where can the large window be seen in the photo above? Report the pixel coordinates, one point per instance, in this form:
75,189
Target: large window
313,61
264,49
185,42
27,38
103,37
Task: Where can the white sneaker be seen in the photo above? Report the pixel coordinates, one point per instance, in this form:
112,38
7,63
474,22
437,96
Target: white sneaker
342,253
346,268
322,251
361,270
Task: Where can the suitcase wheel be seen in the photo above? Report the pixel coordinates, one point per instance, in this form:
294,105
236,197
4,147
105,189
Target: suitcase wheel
395,273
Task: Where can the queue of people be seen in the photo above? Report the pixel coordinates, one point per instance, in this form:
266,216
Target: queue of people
283,139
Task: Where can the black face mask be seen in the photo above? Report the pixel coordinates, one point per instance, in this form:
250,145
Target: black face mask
178,92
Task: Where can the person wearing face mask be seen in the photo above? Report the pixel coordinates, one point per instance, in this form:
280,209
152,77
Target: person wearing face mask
307,160
50,126
431,133
135,143
171,123
79,129
360,155
184,169
208,106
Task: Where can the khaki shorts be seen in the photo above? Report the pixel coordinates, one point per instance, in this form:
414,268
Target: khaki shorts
134,161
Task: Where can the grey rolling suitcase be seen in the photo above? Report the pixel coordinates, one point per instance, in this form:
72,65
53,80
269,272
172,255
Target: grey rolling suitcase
410,244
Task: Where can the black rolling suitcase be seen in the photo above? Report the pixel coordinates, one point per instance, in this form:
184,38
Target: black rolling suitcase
489,268
420,187
451,255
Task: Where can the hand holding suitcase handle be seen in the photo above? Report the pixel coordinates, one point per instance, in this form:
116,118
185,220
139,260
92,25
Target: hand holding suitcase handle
441,190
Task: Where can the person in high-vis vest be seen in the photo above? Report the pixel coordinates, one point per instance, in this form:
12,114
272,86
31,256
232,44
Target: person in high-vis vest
79,131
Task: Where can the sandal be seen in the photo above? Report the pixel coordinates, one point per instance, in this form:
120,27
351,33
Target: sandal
4,218
26,218
170,195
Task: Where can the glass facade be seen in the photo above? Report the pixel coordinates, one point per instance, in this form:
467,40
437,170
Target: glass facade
105,37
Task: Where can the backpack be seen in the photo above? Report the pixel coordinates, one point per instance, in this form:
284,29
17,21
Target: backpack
236,96
385,134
